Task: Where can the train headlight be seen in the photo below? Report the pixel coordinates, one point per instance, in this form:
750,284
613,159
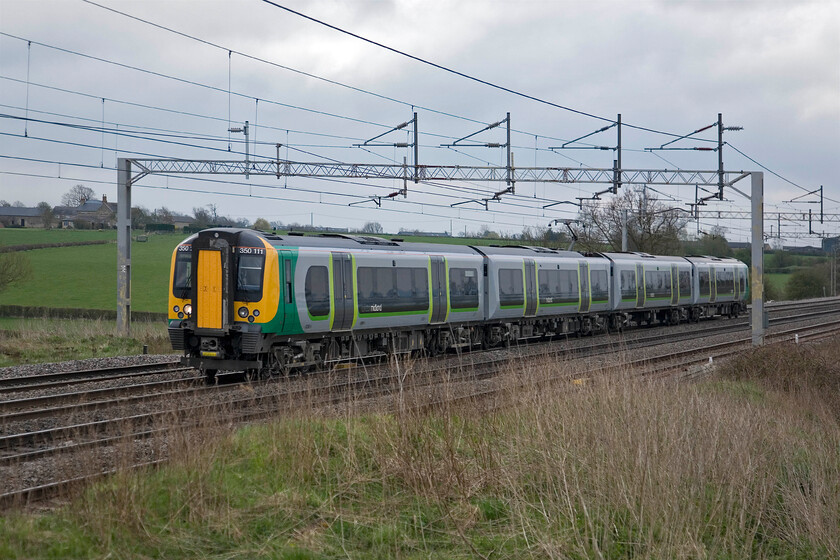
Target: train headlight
256,312
176,309
242,312
188,309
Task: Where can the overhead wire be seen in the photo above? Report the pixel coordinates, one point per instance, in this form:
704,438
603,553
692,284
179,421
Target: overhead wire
412,105
368,185
285,199
786,180
344,85
116,132
467,76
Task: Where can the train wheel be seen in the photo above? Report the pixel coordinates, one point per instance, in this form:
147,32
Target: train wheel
210,376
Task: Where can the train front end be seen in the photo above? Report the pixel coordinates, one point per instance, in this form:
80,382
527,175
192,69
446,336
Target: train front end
224,296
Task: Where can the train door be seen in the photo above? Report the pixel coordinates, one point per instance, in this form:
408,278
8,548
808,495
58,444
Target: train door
712,284
287,293
585,293
213,302
736,281
439,288
530,288
343,298
675,284
640,285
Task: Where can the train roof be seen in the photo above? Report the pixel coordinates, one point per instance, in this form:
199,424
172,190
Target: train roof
369,242
373,243
707,259
639,256
525,251
342,241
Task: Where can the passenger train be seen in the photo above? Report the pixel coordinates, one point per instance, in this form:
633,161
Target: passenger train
243,300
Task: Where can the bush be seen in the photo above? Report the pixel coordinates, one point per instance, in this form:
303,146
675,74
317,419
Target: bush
14,267
808,283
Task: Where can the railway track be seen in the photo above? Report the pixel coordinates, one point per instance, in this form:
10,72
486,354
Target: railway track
17,449
67,378
372,388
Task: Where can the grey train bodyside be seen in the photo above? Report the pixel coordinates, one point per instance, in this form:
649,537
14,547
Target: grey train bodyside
495,295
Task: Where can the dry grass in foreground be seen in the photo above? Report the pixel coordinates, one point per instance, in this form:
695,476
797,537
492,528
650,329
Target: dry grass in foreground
27,341
744,466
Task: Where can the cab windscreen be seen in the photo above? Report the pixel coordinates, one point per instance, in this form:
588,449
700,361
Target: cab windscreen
249,277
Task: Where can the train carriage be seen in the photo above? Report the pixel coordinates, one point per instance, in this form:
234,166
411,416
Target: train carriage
720,285
256,302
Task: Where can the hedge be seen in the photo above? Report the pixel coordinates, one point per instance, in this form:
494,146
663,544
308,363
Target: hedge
14,248
30,312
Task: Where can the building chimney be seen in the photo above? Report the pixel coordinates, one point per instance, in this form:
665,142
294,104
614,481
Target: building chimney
104,199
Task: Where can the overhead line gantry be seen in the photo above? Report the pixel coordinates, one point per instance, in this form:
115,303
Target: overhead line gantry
509,174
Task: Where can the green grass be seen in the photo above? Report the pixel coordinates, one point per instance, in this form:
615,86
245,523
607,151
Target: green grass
86,276
27,341
617,468
779,281
27,236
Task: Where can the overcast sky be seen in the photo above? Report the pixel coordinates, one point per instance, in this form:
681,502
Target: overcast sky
770,67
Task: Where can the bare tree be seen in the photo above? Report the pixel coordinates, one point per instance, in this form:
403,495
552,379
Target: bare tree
4,203
202,217
47,214
139,217
163,215
372,227
652,227
77,196
713,243
214,211
14,267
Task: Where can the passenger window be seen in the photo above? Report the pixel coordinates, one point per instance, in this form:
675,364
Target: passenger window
628,285
600,287
317,290
658,284
463,288
511,287
726,282
558,287
685,283
705,285
392,289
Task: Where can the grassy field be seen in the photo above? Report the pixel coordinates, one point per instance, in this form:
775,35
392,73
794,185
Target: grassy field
778,281
86,276
31,236
746,465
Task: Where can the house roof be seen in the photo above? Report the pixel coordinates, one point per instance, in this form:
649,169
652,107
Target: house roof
20,211
92,206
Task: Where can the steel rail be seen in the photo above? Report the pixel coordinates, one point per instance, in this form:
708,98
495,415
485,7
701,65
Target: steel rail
42,491
10,383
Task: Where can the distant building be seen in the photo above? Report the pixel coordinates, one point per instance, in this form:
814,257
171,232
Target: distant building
21,216
831,245
181,221
92,214
417,233
805,250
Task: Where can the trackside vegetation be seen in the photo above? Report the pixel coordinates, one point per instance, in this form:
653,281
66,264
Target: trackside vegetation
31,341
745,465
